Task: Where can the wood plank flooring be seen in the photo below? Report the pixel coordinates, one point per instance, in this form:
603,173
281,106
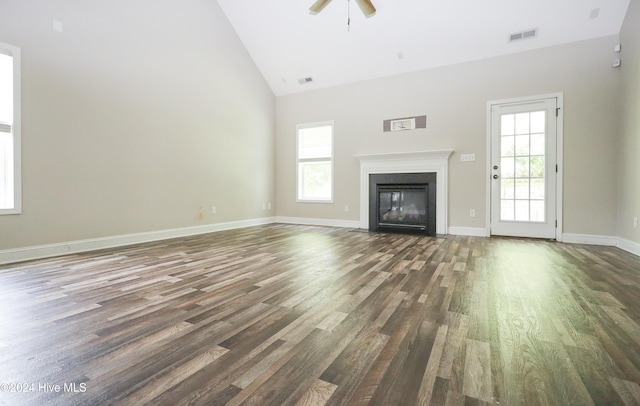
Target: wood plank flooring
293,315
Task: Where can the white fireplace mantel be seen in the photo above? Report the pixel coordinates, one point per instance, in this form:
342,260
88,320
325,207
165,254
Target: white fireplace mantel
407,162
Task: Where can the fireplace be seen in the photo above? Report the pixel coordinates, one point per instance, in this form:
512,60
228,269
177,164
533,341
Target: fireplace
407,162
403,202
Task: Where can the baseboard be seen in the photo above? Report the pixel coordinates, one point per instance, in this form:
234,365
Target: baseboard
589,239
468,231
629,246
318,222
72,247
623,244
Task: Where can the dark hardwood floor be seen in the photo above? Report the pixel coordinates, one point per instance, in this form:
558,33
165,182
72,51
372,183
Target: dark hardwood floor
285,315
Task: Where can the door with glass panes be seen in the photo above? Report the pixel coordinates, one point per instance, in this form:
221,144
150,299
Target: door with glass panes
523,169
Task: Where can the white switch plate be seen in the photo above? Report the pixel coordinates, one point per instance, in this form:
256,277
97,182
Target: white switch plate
472,212
57,26
213,210
467,157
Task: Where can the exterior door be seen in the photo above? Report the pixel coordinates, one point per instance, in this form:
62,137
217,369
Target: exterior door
524,168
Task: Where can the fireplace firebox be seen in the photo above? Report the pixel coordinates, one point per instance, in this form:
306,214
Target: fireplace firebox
403,202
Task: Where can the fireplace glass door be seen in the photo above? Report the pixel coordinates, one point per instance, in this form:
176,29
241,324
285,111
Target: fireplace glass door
402,206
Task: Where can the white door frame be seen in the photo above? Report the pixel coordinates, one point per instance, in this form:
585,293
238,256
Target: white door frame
559,155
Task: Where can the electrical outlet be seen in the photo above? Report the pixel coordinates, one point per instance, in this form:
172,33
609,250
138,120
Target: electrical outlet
635,222
472,212
213,210
264,206
346,208
268,206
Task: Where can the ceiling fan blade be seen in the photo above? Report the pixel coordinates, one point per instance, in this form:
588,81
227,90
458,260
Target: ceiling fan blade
367,8
318,6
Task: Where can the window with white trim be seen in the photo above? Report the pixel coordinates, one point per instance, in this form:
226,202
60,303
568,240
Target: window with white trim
315,162
10,195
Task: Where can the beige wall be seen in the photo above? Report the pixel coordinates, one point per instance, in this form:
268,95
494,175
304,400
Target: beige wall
134,117
629,169
454,99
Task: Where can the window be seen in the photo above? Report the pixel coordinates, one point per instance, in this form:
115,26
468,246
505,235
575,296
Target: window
10,202
315,162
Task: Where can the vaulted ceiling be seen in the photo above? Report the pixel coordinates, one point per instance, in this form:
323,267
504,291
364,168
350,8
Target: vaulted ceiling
289,45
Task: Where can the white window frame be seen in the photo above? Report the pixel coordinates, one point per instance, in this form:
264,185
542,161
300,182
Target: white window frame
330,159
14,52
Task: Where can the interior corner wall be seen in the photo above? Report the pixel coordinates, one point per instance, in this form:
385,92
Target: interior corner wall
135,118
454,99
629,148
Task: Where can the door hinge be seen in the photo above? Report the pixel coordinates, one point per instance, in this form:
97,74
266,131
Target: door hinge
557,111
556,223
556,168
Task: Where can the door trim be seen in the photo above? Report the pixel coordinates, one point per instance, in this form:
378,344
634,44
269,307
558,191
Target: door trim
559,154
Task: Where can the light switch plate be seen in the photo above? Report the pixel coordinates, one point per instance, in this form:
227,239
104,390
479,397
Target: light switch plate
467,157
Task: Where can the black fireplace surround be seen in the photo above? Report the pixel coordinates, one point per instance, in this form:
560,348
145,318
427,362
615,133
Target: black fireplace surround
403,202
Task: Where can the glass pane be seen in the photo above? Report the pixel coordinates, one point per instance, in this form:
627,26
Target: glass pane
537,210
538,119
537,166
507,188
507,168
522,145
522,188
508,146
522,210
507,124
6,89
522,123
522,167
315,179
507,210
537,144
537,188
6,171
314,142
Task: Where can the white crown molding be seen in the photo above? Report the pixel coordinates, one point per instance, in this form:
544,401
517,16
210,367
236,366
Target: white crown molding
407,162
72,247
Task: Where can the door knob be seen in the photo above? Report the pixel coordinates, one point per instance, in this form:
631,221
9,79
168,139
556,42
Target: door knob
495,176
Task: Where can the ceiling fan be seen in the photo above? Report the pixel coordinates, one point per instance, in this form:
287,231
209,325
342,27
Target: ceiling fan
365,5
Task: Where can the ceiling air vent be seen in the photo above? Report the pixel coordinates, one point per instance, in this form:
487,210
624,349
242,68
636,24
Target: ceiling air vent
523,35
304,81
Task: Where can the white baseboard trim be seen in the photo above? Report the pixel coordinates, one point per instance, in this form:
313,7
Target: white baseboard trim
629,246
72,247
589,239
623,244
318,222
468,231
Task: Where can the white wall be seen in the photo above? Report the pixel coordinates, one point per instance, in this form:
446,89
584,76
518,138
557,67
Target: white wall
454,99
136,115
629,151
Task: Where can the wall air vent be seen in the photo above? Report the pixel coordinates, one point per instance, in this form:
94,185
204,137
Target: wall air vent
304,81
517,36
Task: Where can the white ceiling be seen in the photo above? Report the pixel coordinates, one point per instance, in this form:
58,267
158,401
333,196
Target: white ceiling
287,43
